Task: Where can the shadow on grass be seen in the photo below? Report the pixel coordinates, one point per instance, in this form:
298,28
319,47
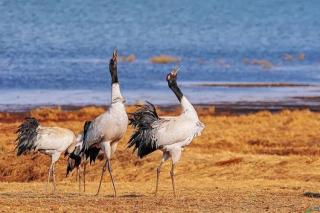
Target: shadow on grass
63,194
312,194
131,195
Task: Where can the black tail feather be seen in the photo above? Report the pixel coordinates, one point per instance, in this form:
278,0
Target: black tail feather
85,145
27,136
74,161
143,138
75,157
92,153
85,129
144,117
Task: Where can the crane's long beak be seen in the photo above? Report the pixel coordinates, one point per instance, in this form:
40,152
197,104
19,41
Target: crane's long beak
176,70
115,54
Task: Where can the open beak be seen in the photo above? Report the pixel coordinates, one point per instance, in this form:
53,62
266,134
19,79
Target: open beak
175,70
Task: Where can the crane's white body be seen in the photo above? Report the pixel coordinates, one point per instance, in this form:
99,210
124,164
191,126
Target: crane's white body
109,127
52,141
175,133
178,132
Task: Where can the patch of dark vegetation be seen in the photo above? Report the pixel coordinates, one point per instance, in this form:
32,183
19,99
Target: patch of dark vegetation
229,162
312,194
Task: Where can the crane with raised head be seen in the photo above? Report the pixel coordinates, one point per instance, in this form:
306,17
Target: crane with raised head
105,131
168,134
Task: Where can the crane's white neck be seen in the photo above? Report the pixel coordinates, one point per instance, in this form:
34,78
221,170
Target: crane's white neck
115,93
188,109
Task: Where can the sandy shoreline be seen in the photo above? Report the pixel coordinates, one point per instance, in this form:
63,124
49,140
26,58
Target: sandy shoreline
240,107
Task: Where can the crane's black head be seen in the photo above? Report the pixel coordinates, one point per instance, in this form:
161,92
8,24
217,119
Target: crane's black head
172,83
113,66
172,77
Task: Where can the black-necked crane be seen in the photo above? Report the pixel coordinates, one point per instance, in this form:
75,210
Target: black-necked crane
78,160
52,141
105,131
168,134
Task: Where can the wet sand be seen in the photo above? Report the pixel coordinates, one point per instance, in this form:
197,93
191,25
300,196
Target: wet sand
255,84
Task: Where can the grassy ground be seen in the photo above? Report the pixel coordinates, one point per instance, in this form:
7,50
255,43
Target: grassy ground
205,195
259,162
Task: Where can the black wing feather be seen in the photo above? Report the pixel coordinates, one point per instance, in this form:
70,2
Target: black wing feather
143,137
27,136
75,157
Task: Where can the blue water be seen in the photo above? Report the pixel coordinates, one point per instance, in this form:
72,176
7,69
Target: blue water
55,52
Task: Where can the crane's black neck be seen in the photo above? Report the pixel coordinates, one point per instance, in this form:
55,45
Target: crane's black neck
114,77
175,89
113,72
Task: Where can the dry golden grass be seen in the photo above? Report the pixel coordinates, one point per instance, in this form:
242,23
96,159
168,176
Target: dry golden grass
241,163
164,59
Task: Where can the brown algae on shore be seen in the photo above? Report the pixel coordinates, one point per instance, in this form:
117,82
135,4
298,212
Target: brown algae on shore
164,59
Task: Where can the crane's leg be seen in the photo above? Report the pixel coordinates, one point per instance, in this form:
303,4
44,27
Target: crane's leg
84,177
54,178
102,174
110,172
107,152
172,180
49,177
55,158
175,154
79,177
165,157
113,149
158,174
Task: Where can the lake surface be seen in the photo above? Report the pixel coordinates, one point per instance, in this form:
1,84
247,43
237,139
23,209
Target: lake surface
55,53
